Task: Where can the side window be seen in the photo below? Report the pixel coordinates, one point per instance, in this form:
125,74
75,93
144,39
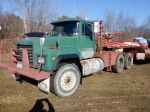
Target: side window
86,29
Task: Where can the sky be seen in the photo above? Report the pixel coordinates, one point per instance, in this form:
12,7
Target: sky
139,9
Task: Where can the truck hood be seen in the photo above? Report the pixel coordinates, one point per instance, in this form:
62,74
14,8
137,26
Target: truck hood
64,43
28,41
36,41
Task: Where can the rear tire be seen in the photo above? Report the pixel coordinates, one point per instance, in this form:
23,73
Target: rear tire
66,80
119,64
127,61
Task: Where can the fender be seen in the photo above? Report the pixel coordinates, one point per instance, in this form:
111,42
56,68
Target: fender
61,57
135,51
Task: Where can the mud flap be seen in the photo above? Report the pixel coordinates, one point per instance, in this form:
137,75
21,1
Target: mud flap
16,76
44,85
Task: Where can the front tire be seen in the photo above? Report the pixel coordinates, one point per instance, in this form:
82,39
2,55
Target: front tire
66,80
119,64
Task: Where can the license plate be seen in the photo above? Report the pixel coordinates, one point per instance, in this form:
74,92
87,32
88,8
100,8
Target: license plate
19,65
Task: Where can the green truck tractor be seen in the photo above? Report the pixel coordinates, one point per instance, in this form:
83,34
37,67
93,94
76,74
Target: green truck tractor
59,60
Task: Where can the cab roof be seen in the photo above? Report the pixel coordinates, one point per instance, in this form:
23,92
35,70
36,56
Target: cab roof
69,19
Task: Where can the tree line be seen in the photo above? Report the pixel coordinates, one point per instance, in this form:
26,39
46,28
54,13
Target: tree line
36,15
123,22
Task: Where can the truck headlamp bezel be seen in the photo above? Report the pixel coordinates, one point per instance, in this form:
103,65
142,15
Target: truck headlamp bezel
43,59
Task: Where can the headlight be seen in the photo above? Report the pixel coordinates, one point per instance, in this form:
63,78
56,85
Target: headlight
41,60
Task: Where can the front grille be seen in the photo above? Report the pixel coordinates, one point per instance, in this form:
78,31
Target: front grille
30,53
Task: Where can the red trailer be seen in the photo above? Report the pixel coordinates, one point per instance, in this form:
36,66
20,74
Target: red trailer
128,50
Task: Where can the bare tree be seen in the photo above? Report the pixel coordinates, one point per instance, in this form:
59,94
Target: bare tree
82,12
37,14
25,8
129,27
109,21
147,21
42,16
120,22
146,27
34,15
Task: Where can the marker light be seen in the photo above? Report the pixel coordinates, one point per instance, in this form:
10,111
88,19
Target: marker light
53,58
51,46
77,17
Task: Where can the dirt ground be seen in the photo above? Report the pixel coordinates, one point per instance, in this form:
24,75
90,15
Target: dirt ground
106,92
102,92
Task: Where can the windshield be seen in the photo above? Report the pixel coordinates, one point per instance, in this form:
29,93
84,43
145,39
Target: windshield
65,28
143,41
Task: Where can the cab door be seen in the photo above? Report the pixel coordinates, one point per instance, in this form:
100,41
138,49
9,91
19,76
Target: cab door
87,40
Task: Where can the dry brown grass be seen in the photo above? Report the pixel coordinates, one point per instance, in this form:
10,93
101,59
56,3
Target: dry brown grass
7,44
108,92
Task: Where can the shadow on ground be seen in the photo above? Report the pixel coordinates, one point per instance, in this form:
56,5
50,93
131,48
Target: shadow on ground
139,62
40,106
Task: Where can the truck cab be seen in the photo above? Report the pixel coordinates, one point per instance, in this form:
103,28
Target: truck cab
70,38
75,37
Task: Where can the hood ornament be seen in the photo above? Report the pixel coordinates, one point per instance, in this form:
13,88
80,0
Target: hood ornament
26,37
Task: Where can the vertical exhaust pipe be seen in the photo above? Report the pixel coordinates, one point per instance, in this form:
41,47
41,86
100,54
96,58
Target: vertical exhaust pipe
41,49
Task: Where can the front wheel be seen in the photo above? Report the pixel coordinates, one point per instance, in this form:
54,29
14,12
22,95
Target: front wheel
119,64
66,80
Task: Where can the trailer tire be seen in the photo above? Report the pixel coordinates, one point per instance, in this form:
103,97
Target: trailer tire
119,64
127,61
66,80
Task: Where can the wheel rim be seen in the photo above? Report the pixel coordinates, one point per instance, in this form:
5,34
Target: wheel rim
68,80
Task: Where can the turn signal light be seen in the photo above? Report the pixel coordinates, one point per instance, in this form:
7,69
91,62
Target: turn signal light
77,17
51,46
63,17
